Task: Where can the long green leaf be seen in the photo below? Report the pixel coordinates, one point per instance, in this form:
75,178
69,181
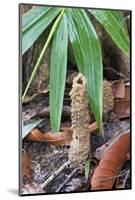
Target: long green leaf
26,129
88,57
43,52
115,27
32,16
30,35
119,16
87,168
58,72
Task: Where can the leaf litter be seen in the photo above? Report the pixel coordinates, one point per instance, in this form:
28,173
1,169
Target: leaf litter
46,157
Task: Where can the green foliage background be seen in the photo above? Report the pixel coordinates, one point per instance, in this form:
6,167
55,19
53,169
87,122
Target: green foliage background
75,24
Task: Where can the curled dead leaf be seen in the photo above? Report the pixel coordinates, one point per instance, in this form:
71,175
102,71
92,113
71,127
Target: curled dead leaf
111,163
61,138
35,135
57,139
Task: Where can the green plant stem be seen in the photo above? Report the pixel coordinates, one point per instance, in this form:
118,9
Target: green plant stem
42,53
87,167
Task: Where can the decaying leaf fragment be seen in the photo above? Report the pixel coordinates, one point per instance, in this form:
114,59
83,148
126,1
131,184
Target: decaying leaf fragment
111,163
122,103
26,168
63,137
80,145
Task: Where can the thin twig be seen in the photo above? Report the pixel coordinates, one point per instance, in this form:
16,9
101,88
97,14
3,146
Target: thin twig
126,177
68,178
55,174
113,177
66,112
42,53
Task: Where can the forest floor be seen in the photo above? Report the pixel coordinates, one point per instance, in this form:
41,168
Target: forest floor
44,159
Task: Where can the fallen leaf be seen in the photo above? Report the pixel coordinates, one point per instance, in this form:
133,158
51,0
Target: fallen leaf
35,135
26,168
111,163
122,106
26,129
93,127
100,151
61,138
120,90
57,139
127,93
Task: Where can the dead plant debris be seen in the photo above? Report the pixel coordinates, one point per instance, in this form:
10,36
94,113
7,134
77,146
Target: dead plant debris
47,151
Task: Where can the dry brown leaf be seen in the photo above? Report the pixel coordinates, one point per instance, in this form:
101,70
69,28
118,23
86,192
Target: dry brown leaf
100,151
120,90
111,163
60,138
26,168
93,127
122,106
35,135
57,139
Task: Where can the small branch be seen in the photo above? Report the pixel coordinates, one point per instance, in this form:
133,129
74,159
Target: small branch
66,112
68,178
55,174
122,182
126,177
113,177
28,99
